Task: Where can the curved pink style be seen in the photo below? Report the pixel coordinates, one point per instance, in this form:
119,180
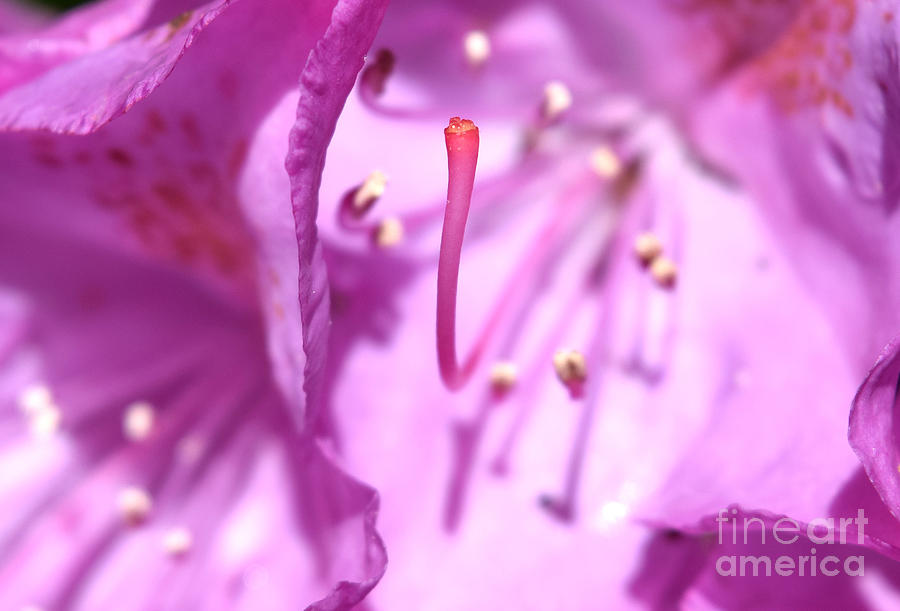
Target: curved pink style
461,136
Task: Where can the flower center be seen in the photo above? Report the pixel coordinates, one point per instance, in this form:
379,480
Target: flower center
604,237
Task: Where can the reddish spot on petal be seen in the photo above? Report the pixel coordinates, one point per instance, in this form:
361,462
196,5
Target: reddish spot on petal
43,143
120,157
236,158
177,23
155,122
174,197
225,257
143,221
48,160
191,130
228,85
186,248
201,171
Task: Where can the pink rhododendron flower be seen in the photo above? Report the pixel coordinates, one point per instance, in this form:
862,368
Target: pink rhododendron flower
655,319
158,386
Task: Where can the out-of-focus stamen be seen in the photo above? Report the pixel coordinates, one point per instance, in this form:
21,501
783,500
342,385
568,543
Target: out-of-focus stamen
44,421
388,233
503,376
368,192
137,423
35,397
177,542
647,247
375,75
664,271
134,505
557,100
605,162
571,369
477,47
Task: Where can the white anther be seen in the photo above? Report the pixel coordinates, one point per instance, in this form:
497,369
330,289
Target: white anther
134,505
557,99
369,191
477,47
664,271
44,421
503,376
138,420
647,247
570,366
388,233
35,397
605,162
177,542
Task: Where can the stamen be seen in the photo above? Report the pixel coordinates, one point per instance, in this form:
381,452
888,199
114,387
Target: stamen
134,505
388,233
368,192
35,397
571,369
664,271
461,137
647,247
557,100
375,75
178,542
44,421
477,47
503,376
138,421
605,162
462,156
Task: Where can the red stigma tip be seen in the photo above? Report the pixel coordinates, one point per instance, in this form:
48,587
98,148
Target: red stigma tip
459,126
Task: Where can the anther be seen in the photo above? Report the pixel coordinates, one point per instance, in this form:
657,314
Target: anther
368,192
503,376
45,421
477,47
35,397
557,100
571,368
388,233
647,247
177,542
375,75
138,421
664,271
605,162
134,505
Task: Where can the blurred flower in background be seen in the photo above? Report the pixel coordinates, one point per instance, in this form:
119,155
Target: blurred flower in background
678,268
157,440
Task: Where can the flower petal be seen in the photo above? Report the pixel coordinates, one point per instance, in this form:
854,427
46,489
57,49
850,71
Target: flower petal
324,85
873,427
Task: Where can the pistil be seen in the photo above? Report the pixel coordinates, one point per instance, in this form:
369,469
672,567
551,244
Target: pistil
461,137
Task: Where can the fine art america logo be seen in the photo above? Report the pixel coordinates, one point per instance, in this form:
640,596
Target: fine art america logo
810,562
